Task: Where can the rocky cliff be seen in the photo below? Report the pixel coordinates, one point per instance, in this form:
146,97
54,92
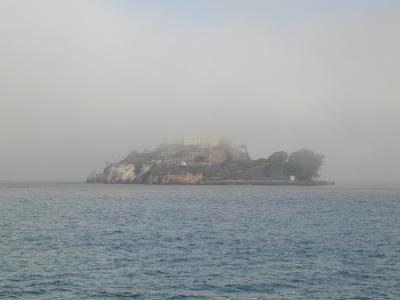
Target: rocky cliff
169,164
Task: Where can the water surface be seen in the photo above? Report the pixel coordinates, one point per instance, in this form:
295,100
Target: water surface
81,241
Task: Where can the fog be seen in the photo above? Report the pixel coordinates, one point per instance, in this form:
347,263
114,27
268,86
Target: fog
86,82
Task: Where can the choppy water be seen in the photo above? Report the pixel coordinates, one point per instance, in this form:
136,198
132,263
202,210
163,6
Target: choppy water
78,241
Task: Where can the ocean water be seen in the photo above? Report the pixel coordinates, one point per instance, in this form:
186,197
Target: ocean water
82,241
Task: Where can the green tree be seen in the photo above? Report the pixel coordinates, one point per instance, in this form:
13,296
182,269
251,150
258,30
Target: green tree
304,164
275,166
278,158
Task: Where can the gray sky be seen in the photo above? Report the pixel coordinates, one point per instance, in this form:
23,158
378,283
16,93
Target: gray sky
85,82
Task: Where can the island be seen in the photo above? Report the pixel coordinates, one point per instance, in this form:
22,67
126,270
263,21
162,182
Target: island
204,161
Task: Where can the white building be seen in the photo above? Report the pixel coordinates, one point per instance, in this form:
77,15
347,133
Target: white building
197,141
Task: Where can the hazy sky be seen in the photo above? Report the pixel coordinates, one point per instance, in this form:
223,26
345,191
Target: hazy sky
84,82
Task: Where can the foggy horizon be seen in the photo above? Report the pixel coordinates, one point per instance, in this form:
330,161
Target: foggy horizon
83,83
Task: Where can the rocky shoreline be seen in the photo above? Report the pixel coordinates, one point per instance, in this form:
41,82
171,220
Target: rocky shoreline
272,182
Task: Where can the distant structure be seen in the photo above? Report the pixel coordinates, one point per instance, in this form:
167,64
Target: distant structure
242,148
200,141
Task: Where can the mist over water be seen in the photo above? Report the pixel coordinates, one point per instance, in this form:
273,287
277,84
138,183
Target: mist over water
85,82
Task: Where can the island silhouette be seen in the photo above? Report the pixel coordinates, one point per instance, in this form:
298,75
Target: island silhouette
211,161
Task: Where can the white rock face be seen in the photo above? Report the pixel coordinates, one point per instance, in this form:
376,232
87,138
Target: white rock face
118,173
122,173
